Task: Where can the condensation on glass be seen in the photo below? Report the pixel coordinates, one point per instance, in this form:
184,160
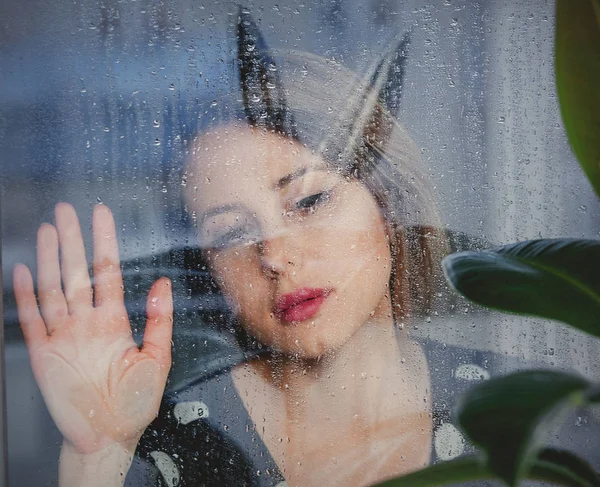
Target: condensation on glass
296,170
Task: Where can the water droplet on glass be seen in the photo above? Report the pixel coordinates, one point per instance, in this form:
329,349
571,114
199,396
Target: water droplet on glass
156,124
91,413
582,209
157,142
213,103
172,87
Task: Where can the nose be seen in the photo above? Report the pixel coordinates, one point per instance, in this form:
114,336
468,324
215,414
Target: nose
279,254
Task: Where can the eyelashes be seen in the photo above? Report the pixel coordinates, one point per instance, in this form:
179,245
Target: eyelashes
312,202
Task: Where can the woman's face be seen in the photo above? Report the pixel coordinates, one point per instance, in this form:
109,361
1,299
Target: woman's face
300,251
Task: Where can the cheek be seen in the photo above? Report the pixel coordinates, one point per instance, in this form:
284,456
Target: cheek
374,256
359,239
240,279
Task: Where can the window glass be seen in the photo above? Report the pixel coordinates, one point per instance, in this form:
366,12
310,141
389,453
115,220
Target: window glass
297,171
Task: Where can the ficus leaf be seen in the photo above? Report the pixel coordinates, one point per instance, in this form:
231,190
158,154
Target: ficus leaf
593,395
552,278
509,417
468,469
569,462
456,471
577,66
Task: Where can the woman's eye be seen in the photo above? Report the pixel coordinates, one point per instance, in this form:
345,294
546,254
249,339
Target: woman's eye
313,201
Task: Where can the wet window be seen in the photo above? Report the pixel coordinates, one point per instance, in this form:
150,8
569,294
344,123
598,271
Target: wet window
224,226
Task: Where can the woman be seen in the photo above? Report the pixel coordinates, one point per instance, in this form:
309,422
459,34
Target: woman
304,213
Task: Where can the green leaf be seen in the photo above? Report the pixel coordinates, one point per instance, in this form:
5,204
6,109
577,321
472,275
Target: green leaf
469,469
554,278
457,471
508,417
593,395
576,466
577,65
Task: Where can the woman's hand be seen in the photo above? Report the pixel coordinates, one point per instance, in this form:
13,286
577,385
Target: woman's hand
100,388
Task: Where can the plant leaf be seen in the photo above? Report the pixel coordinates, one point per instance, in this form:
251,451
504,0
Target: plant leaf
577,65
508,417
553,278
576,466
467,469
593,395
457,471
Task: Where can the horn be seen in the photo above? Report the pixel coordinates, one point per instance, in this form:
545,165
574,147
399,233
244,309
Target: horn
262,91
375,108
390,92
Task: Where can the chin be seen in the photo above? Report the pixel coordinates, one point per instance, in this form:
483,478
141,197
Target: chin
309,349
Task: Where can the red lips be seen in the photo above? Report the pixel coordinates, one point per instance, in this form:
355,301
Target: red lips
300,305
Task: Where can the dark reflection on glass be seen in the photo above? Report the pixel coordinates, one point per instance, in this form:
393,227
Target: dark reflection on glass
298,228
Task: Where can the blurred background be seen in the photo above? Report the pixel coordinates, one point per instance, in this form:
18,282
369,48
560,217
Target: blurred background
98,95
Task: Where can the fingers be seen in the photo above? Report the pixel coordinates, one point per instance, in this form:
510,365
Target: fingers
76,279
52,300
159,325
108,282
32,325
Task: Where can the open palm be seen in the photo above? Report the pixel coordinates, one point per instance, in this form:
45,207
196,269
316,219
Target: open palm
100,388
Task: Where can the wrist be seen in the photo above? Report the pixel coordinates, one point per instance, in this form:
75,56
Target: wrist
106,467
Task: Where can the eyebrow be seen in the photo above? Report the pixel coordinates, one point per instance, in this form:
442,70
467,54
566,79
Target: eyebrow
285,180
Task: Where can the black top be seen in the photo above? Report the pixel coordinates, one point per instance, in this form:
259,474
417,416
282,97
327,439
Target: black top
205,436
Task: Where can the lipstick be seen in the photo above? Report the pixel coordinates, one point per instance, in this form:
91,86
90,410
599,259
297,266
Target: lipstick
302,304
